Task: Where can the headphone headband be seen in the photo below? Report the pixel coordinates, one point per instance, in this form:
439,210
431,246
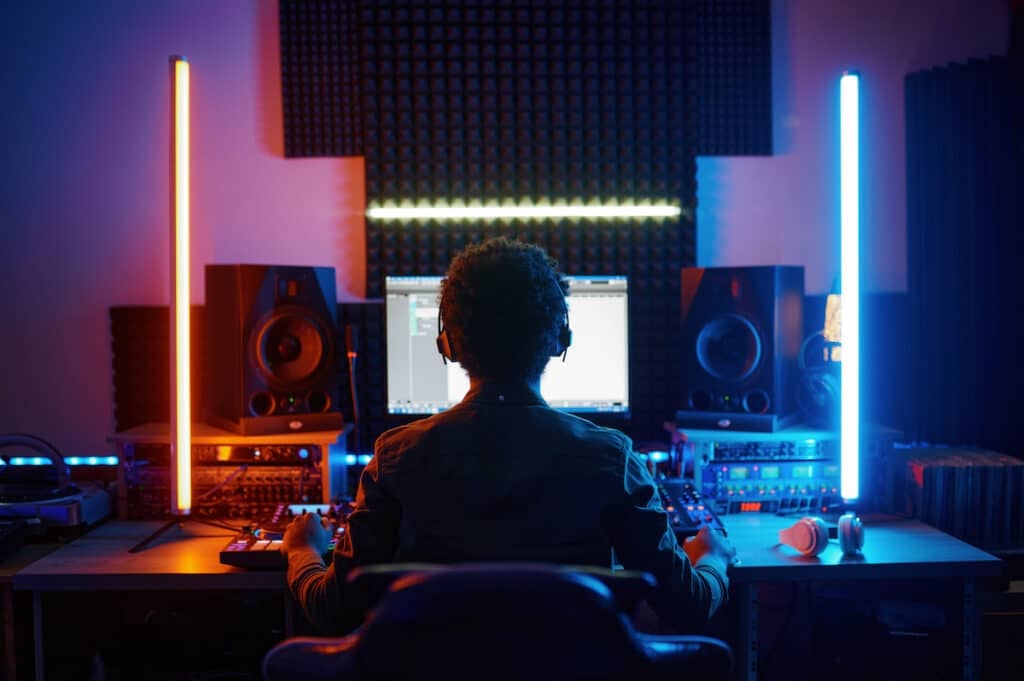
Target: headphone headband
444,346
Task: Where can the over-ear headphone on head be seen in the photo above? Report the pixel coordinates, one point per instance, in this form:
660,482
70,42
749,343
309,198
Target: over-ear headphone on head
808,535
444,346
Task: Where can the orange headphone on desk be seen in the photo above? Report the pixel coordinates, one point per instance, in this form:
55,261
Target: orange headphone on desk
809,535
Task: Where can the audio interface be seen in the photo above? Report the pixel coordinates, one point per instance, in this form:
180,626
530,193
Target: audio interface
790,471
228,481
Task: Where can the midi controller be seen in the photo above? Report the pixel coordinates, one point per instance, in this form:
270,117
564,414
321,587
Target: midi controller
686,509
258,546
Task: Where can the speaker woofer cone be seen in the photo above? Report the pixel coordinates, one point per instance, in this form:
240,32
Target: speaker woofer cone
729,348
290,348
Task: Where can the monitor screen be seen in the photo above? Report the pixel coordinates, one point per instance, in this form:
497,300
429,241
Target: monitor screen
594,377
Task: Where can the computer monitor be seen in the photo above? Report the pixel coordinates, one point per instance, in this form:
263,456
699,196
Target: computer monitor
593,379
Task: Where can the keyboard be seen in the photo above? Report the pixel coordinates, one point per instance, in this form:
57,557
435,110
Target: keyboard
687,512
259,547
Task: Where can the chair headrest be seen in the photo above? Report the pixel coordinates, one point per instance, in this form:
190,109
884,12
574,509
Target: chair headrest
367,584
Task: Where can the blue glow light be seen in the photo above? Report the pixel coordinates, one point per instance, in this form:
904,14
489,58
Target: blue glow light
303,453
365,459
350,459
849,247
90,460
30,461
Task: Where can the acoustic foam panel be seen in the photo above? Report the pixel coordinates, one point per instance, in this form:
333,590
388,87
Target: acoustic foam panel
539,101
320,78
733,59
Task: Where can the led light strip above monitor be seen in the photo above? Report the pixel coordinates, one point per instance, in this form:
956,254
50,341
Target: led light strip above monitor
456,211
849,421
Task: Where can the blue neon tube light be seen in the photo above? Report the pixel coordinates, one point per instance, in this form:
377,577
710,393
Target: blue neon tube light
849,248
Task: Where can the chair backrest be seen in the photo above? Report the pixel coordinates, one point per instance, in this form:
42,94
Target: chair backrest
496,621
365,586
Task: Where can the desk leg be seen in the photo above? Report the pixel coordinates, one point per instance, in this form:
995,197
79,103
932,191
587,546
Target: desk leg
289,614
747,653
37,634
122,483
10,669
971,632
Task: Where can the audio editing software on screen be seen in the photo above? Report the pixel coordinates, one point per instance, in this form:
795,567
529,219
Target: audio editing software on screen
593,378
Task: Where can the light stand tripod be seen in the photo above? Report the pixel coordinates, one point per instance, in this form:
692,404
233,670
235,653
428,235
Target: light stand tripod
180,519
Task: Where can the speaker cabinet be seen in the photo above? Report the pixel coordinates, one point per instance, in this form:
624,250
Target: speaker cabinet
742,330
272,350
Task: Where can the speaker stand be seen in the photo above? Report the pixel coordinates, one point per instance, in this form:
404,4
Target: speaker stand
180,521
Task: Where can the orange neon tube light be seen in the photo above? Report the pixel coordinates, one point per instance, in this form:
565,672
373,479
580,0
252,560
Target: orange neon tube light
181,359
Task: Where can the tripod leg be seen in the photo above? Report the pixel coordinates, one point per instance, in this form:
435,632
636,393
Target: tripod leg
163,528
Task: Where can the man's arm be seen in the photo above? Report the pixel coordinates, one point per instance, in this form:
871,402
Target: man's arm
371,536
311,583
688,593
314,588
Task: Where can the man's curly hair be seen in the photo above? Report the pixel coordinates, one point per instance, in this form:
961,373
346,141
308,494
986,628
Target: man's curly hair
503,305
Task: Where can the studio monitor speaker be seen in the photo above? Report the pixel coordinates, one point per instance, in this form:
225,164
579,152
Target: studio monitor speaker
742,330
273,360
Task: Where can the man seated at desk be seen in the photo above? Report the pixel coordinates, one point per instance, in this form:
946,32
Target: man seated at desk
501,476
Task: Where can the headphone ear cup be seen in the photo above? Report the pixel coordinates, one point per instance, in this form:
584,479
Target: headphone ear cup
444,347
851,534
818,395
564,340
808,535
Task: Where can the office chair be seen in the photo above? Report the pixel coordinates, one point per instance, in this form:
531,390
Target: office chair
503,621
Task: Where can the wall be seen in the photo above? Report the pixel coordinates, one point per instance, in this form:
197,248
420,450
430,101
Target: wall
84,189
784,209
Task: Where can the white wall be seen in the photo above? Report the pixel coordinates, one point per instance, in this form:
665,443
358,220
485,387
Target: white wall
784,209
84,187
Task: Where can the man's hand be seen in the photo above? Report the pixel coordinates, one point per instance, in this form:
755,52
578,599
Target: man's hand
708,543
308,530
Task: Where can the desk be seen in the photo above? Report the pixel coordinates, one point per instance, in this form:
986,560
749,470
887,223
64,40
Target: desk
185,558
894,549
